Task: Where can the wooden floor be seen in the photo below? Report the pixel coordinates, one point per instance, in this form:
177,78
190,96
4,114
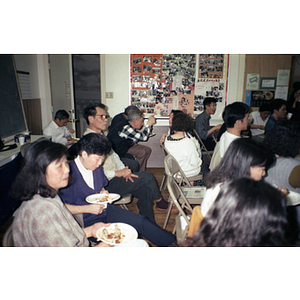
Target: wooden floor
159,218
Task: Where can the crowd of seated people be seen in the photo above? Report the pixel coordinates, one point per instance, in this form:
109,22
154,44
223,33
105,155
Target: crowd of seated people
58,188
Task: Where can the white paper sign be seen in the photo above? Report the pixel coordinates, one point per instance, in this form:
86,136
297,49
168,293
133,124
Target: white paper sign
283,77
281,92
252,82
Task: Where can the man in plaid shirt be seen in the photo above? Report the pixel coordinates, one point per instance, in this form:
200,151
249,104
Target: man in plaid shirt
125,133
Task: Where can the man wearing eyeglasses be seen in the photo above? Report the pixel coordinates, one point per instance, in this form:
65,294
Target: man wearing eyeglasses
127,130
123,179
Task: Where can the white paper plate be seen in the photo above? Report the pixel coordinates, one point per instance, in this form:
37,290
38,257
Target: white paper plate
98,198
129,232
293,199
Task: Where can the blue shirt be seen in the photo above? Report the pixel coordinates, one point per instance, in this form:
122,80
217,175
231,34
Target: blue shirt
270,124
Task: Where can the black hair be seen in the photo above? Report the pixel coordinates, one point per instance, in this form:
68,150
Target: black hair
90,110
246,213
284,138
61,115
31,179
94,143
233,112
276,104
240,156
208,101
182,122
265,107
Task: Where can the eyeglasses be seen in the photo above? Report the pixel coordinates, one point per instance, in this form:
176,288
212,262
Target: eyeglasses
103,116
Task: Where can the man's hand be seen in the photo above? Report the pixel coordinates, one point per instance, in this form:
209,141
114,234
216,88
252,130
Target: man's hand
126,173
151,121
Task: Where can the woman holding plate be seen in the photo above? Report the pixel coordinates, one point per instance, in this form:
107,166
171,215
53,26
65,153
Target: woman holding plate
88,178
42,220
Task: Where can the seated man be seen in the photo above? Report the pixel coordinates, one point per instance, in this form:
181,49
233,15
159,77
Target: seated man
202,123
259,119
124,134
236,118
122,180
88,178
278,111
57,129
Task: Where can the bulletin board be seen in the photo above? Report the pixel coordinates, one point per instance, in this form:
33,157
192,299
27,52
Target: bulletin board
162,82
266,78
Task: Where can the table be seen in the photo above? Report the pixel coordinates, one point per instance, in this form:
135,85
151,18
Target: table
8,156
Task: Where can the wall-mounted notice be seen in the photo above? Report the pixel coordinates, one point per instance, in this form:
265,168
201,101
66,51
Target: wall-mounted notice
283,77
252,82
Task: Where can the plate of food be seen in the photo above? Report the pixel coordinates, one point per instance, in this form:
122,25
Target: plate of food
117,233
102,198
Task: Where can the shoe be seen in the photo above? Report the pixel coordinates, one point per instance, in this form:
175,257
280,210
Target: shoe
162,207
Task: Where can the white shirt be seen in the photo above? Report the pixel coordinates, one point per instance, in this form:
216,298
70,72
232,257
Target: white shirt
225,140
185,152
209,199
256,119
86,174
58,134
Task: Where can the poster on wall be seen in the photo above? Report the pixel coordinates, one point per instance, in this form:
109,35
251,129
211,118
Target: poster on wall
212,79
162,82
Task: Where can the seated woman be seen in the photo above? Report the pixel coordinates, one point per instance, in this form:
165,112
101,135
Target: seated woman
243,158
246,213
185,148
42,220
88,178
173,113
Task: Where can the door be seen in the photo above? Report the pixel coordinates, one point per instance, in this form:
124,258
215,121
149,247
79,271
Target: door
61,83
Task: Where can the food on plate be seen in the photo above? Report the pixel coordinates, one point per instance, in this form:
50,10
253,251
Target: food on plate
102,198
112,235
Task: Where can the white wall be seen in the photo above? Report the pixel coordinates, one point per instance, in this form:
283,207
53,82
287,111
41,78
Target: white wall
37,66
115,77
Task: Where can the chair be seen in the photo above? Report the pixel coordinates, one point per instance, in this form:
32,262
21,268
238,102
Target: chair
177,197
126,199
163,184
202,146
216,158
8,238
192,194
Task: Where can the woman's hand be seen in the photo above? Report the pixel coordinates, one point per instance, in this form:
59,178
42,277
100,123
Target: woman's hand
283,190
162,139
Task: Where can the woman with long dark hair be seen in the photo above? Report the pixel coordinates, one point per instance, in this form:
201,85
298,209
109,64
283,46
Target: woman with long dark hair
243,158
246,213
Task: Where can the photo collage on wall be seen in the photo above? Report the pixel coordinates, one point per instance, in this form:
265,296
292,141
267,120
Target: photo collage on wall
212,79
162,82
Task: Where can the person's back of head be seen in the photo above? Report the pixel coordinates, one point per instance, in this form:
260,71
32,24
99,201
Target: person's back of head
133,113
90,110
61,114
276,104
241,155
246,213
284,138
208,100
182,122
233,112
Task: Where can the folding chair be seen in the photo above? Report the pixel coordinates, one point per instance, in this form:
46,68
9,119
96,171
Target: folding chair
126,199
202,146
163,184
193,194
216,158
177,197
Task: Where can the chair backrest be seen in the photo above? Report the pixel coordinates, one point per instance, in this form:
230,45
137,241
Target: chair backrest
164,149
202,146
172,168
216,158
